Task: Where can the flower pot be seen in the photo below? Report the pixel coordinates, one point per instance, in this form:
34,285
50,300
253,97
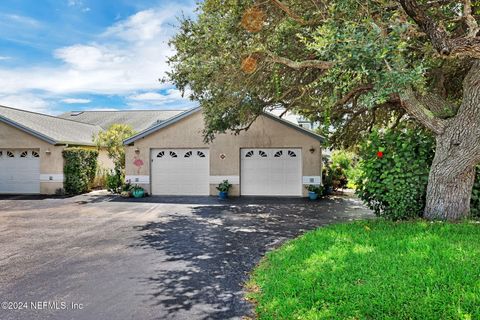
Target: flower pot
138,193
223,195
312,195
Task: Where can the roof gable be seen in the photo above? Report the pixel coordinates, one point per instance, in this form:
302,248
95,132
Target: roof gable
185,114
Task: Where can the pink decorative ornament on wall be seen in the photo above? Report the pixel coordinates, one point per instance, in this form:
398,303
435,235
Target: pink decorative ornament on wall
138,163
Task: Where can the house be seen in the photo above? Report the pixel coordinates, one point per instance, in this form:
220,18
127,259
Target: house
167,156
273,158
300,120
31,146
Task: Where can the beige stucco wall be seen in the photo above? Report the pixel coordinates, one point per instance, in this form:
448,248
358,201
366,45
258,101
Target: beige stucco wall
51,163
187,133
104,161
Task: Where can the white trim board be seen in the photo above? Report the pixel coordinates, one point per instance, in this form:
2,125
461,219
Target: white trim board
138,179
312,180
52,177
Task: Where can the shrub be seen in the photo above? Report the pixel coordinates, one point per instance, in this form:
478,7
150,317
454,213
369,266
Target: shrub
395,166
115,181
100,180
224,186
315,188
341,171
80,167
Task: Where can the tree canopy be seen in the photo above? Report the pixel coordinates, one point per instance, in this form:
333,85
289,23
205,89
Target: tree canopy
112,140
349,64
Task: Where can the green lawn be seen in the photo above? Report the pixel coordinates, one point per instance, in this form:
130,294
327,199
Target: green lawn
373,270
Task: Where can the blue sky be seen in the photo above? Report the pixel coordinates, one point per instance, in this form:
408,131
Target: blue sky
60,55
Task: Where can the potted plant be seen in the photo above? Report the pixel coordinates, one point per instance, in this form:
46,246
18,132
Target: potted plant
223,189
314,191
138,192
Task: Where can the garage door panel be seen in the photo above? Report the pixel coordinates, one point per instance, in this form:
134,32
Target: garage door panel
271,172
19,171
186,174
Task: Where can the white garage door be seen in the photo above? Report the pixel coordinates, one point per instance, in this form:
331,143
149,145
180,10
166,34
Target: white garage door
180,172
271,172
19,171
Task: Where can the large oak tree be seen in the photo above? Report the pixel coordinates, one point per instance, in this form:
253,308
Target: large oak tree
352,65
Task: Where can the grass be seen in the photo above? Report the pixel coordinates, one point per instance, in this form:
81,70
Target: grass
373,270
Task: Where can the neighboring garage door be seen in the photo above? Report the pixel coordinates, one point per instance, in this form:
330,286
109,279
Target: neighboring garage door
180,172
271,172
19,171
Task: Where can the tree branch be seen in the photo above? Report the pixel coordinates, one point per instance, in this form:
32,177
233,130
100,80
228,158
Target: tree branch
463,46
472,24
438,36
353,93
440,107
417,110
282,6
297,65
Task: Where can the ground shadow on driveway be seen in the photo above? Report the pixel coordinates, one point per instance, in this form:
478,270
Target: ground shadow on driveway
209,252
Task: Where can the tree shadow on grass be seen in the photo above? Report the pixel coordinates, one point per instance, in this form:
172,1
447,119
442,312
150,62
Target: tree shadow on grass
207,255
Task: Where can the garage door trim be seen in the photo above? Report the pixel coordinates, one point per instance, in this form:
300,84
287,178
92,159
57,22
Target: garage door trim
299,183
21,174
206,155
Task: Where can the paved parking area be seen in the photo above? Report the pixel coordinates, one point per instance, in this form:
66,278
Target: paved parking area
99,257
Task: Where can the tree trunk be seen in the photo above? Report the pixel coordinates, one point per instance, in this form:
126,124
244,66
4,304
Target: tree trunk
449,188
458,152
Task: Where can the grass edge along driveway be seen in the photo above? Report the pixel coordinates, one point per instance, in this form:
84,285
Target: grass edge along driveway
372,270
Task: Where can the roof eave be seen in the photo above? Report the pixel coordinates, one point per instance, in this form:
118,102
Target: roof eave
296,127
34,133
86,144
161,125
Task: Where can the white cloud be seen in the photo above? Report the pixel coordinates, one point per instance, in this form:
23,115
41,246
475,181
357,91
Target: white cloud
5,58
130,56
172,98
172,94
76,101
26,102
18,19
144,25
89,57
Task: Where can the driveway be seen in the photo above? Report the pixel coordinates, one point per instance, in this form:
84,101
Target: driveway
99,257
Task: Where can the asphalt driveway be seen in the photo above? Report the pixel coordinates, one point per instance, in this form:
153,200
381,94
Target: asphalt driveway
98,257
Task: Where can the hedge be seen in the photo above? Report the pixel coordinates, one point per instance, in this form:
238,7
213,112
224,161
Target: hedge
80,167
394,173
395,167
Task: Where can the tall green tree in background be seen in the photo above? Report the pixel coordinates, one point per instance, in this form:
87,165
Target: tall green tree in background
112,140
352,65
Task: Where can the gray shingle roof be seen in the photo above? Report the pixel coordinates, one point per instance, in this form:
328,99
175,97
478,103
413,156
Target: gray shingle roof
51,129
140,120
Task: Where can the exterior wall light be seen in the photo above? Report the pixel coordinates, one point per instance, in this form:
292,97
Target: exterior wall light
137,151
312,150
